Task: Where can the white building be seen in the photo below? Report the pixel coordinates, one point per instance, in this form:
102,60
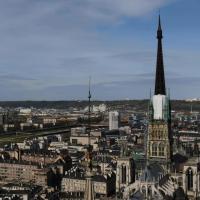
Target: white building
113,120
25,111
98,108
78,130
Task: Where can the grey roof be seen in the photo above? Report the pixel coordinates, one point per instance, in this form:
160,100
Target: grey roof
138,196
178,158
152,173
179,194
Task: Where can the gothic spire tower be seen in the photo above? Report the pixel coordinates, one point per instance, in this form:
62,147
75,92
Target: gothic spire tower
160,75
159,128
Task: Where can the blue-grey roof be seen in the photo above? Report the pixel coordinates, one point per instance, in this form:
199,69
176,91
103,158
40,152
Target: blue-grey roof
152,173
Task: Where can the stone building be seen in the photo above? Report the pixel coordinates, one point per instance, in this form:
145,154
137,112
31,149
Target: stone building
191,178
74,183
125,173
23,171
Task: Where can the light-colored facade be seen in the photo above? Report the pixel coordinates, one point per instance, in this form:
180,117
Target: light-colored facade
41,158
79,185
22,172
191,178
158,143
83,140
78,130
125,173
113,120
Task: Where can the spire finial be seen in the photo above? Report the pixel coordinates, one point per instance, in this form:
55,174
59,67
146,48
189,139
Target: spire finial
169,93
150,94
159,32
159,21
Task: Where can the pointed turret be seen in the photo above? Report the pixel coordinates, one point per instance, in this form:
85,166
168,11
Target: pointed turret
160,75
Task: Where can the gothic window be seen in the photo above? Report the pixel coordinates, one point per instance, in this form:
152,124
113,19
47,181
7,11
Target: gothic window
154,149
149,190
123,174
153,135
161,149
189,175
144,190
156,134
159,134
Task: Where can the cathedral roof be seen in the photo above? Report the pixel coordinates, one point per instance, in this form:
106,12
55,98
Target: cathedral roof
138,196
179,194
152,173
178,158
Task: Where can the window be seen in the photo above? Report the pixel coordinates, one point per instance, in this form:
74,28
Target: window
159,134
189,175
123,174
74,141
161,149
154,149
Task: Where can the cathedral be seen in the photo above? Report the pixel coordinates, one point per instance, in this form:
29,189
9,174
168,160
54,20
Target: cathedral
168,173
159,139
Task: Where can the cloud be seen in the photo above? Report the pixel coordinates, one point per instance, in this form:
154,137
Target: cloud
125,7
49,48
13,77
136,56
111,10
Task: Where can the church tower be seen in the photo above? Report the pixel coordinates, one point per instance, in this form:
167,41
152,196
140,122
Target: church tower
159,139
125,172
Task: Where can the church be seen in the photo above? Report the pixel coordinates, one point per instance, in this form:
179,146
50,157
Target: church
168,173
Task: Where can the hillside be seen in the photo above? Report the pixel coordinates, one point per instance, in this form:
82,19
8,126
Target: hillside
140,105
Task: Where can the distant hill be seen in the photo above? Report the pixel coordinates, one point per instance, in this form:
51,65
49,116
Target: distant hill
140,105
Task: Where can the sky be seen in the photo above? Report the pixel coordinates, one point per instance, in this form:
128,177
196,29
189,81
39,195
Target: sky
50,48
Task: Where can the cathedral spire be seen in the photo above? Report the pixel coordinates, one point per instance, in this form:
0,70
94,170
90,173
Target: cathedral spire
160,75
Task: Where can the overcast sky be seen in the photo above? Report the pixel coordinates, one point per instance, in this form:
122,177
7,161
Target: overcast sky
49,48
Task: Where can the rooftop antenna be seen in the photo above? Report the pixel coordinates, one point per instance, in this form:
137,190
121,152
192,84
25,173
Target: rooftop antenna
89,126
89,112
89,192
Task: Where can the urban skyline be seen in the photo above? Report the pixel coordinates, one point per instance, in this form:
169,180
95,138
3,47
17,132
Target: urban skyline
49,49
103,150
